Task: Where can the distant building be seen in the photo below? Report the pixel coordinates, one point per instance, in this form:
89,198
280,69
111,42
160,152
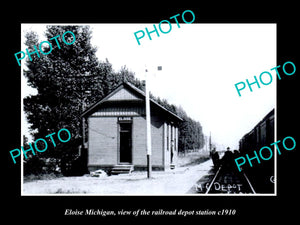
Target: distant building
117,132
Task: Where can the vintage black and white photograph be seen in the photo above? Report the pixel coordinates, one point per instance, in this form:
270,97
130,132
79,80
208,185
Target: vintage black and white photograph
143,109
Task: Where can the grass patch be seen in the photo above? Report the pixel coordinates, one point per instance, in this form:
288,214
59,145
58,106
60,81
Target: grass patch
33,177
192,159
61,191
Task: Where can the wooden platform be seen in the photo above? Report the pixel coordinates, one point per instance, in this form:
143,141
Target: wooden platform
122,169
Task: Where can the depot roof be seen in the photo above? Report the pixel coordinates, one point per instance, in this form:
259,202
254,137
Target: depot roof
136,91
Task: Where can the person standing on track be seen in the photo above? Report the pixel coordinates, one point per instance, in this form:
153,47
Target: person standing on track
227,160
215,157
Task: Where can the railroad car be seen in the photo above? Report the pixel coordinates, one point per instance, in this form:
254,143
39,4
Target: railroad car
261,135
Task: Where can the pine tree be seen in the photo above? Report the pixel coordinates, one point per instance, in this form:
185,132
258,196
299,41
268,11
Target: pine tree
67,80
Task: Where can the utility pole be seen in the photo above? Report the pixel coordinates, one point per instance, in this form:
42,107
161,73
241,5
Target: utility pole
209,141
148,125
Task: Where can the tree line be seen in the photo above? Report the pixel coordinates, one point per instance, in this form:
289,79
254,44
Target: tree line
72,78
190,134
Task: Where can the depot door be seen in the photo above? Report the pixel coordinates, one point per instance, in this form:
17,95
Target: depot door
125,149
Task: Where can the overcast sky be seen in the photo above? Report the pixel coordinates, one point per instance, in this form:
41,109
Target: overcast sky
200,65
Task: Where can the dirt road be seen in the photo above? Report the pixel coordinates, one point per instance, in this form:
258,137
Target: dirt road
174,182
